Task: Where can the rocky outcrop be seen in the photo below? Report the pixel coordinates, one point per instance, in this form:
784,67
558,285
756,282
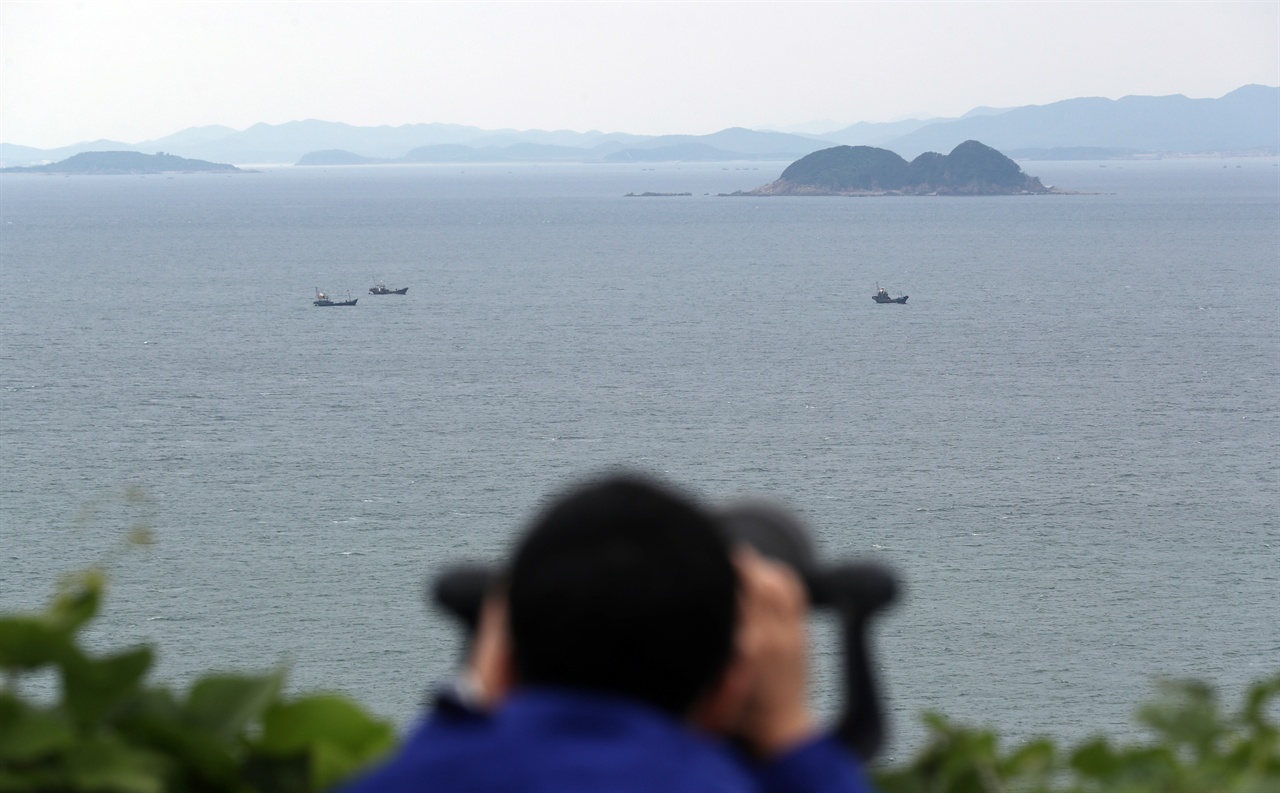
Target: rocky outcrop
970,169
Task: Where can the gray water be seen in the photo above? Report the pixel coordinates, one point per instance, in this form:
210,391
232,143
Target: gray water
1066,443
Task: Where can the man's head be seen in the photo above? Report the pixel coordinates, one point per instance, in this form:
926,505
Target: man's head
625,587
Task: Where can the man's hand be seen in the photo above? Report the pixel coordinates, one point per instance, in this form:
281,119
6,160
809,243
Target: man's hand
773,650
491,667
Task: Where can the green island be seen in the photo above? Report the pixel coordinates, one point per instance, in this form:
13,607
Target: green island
109,730
971,168
125,162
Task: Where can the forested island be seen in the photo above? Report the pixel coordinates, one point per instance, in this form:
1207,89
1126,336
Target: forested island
126,162
971,168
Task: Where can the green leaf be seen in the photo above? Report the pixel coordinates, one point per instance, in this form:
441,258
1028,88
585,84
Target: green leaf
329,718
1095,759
1256,702
338,736
107,766
1186,714
77,601
93,686
154,719
32,781
276,775
226,704
330,765
1036,758
28,733
44,639
32,643
1154,766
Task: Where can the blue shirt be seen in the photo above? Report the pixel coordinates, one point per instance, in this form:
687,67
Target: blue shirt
561,741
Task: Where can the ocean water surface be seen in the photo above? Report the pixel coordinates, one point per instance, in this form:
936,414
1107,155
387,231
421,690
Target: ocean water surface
1066,443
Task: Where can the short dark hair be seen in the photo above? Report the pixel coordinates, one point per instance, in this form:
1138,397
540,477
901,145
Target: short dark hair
626,587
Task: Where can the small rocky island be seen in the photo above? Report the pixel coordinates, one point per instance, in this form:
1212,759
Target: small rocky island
971,168
126,162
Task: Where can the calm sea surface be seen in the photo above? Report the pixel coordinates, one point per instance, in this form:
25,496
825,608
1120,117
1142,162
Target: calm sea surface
1067,442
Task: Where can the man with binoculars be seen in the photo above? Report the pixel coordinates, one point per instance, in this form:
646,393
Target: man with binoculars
630,647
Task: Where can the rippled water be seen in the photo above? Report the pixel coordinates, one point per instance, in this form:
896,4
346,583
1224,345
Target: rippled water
1066,443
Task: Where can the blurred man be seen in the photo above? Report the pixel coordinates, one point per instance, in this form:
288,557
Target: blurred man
632,650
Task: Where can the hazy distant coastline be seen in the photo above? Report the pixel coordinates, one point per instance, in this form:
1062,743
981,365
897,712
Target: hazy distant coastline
125,162
1241,123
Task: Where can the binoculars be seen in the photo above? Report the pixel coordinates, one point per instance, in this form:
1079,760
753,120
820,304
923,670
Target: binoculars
855,592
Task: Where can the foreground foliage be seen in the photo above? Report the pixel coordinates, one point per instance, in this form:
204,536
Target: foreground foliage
110,732
1197,749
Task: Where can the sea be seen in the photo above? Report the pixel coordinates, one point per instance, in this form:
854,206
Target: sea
1066,445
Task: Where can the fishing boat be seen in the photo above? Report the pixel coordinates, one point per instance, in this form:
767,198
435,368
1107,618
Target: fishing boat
380,288
324,299
881,296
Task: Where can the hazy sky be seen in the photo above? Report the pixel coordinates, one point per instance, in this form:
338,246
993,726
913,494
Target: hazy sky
132,71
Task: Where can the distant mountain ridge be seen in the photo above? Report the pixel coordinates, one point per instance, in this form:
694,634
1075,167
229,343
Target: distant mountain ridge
1245,121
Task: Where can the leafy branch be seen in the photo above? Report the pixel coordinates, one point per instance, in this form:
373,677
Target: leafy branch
111,732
